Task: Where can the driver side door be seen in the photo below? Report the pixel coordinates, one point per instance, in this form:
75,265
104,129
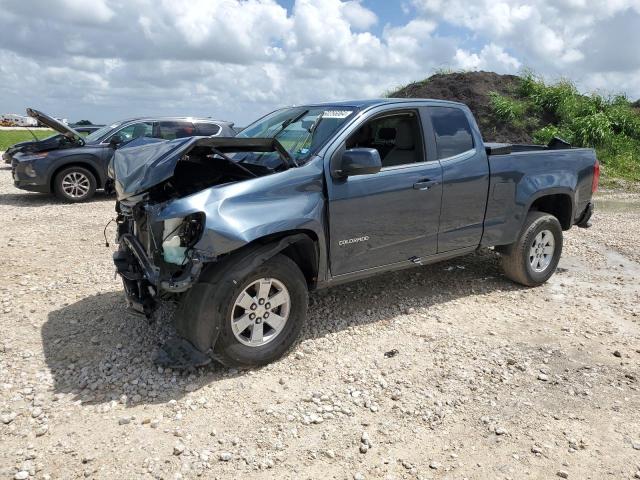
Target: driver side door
392,216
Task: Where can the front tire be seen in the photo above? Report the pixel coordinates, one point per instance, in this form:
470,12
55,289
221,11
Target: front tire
260,314
534,256
74,184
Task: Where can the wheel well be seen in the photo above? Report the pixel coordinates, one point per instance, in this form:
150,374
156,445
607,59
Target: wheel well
305,254
86,166
558,205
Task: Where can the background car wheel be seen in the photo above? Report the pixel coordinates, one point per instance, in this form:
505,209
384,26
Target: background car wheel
256,317
533,258
75,184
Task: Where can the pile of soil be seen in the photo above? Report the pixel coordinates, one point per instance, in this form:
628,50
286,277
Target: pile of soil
473,88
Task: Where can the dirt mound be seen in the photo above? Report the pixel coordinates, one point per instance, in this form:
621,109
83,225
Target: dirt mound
472,88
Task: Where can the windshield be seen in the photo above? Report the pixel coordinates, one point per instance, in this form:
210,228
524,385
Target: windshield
101,132
300,130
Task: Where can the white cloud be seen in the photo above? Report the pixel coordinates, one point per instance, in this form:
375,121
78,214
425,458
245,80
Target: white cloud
358,16
491,57
580,39
75,12
240,58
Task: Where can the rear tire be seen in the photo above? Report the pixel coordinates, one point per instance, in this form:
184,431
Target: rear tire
74,184
250,330
534,256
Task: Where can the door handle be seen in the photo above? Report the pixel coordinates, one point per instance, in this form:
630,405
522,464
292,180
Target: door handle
425,184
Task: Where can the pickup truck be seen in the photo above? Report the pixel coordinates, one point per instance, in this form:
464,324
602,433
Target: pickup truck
239,230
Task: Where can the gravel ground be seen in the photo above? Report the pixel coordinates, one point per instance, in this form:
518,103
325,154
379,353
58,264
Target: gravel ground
482,378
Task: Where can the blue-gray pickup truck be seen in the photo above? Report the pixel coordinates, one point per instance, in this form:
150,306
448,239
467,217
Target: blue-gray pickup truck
239,230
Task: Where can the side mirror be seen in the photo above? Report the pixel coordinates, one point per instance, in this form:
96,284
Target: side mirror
359,161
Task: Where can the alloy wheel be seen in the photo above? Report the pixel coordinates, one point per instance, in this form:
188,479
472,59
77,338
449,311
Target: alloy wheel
75,184
541,251
260,312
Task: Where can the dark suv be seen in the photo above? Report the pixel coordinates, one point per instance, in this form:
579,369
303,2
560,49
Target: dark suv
73,166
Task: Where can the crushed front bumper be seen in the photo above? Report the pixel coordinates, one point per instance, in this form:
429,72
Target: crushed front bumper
143,281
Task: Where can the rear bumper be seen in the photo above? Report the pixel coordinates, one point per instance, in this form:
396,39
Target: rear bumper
584,220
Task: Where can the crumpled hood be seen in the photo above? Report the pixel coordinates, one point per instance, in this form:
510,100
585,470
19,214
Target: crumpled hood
145,162
60,127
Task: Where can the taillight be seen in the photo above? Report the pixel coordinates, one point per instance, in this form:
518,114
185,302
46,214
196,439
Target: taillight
596,176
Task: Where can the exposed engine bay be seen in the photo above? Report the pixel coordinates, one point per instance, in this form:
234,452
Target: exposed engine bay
201,168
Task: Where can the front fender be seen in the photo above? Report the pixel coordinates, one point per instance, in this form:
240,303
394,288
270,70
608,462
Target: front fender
241,213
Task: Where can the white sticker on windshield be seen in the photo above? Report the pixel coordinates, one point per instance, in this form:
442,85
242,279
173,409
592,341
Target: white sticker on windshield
336,113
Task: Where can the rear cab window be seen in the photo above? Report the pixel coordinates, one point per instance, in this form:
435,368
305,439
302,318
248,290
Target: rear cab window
451,130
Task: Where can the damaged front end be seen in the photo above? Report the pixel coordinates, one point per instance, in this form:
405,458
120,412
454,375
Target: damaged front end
157,259
165,228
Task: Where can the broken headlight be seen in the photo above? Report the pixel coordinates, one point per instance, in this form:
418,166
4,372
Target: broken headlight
179,236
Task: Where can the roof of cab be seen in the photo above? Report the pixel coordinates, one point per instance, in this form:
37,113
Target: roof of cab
374,102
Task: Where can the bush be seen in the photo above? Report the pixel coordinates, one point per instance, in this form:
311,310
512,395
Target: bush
507,109
621,158
592,130
608,124
624,120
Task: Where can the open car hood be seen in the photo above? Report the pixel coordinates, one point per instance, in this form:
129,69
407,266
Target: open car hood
60,127
146,162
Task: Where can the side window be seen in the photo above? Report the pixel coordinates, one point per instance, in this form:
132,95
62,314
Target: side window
208,129
136,130
170,130
452,131
396,136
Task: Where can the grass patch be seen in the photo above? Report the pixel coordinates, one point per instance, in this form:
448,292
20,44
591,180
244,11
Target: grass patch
507,109
11,137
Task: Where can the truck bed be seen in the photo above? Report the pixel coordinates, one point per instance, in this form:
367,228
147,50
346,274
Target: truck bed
519,172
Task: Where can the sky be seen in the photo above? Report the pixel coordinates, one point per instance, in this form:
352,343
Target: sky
236,60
